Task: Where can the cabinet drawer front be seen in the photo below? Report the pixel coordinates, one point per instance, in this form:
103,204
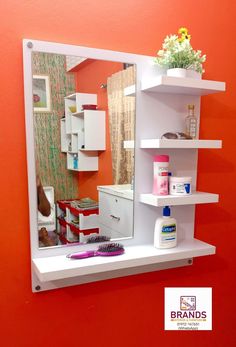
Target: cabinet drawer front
85,222
88,222
116,213
113,234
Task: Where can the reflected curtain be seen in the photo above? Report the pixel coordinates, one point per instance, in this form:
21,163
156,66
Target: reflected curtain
51,162
121,123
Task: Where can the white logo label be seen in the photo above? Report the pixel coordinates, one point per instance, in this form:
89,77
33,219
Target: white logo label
188,308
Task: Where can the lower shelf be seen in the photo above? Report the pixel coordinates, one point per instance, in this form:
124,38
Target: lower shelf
171,200
60,267
86,161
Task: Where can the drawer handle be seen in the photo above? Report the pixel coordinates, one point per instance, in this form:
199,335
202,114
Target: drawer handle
114,217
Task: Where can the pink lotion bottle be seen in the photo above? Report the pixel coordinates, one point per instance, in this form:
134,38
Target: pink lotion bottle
160,179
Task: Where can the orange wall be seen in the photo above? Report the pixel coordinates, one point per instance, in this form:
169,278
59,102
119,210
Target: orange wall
126,311
89,78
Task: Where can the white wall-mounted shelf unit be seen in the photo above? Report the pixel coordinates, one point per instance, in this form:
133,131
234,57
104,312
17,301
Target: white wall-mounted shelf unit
60,267
189,90
178,85
161,107
173,200
164,143
82,132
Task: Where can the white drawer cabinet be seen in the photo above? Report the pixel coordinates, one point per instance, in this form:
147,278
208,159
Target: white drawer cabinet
115,214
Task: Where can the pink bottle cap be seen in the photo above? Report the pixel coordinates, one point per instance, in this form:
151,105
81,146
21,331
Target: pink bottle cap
161,158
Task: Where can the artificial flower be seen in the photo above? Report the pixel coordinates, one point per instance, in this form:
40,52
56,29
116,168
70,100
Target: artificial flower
177,52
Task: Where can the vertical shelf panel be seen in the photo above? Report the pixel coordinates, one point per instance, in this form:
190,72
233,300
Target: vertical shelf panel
94,130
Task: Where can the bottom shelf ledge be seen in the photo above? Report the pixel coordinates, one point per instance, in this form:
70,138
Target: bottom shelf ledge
60,267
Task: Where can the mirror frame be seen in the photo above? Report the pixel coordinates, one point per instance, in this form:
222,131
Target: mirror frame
30,46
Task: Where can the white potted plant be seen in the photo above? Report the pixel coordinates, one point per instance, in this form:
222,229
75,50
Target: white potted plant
178,56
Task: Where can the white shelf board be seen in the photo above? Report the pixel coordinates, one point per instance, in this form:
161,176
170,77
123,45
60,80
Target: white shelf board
179,85
75,114
81,113
171,200
60,267
129,144
78,114
168,143
71,96
82,169
130,91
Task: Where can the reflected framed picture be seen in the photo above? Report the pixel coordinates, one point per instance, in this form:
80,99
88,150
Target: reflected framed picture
41,93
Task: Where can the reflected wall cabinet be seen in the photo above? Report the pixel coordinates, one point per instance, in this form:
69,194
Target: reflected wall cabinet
82,132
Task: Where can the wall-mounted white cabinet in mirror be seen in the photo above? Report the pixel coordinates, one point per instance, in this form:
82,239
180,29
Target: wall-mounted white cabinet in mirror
84,180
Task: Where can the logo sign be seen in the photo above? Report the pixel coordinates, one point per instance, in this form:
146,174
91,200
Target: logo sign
188,308
188,303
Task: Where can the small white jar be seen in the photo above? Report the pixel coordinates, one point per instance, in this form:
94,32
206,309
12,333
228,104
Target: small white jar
180,185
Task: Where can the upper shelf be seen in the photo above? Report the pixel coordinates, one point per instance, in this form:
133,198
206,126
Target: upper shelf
179,85
60,267
164,143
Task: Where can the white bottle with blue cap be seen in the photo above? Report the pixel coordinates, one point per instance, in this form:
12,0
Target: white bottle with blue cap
165,234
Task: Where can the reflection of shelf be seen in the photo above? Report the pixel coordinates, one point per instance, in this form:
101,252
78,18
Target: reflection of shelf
71,97
178,85
86,161
170,200
129,144
90,126
60,267
130,91
65,138
164,143
78,114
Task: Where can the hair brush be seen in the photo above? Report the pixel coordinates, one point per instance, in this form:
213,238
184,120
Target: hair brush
109,249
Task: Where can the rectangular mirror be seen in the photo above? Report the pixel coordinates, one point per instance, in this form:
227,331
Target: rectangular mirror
84,129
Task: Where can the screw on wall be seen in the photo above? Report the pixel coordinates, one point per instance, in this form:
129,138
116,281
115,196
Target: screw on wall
190,261
30,44
37,288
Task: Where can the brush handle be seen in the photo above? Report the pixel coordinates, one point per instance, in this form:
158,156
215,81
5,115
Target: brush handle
82,255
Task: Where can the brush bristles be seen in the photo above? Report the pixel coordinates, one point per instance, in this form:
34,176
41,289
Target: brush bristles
98,238
111,247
